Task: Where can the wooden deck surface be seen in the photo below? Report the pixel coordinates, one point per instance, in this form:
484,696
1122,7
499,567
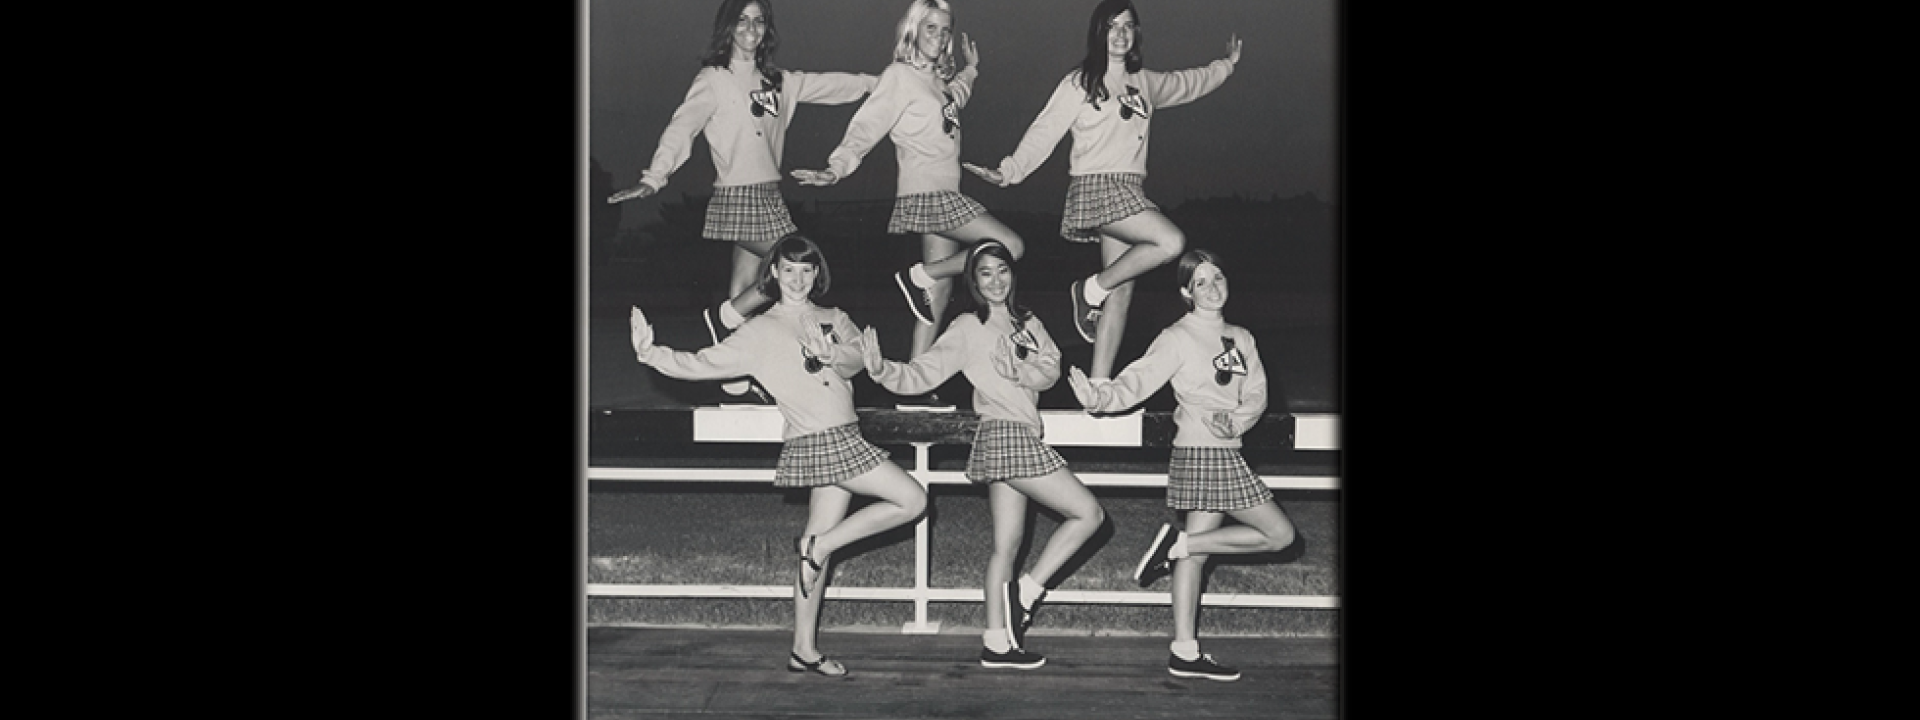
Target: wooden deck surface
651,673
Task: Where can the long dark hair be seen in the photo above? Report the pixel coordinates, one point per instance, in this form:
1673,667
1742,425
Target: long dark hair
794,248
1093,69
981,308
720,49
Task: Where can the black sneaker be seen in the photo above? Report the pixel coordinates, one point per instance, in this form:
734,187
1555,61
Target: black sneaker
1204,667
1019,617
1086,315
715,329
917,298
1015,658
1155,563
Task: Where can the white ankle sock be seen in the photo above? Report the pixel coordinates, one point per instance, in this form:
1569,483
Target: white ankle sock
1179,549
1189,650
1030,589
730,317
1092,292
918,274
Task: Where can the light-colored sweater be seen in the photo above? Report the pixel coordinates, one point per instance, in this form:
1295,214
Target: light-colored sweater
1106,139
913,108
746,149
769,348
1187,355
968,347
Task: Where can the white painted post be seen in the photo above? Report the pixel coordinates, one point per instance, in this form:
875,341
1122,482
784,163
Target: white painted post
921,591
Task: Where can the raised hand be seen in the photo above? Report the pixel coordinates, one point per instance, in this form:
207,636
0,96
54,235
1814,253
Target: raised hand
968,52
816,178
870,351
992,176
1082,388
1003,360
1233,49
638,191
642,333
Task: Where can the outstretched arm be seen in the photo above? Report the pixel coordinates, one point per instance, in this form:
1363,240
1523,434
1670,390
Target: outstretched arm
676,142
1041,137
1167,89
872,121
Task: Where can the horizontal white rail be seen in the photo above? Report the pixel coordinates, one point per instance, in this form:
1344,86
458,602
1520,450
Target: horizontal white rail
764,424
933,477
1067,597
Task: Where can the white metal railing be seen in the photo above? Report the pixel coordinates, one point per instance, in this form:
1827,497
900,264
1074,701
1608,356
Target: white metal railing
1312,431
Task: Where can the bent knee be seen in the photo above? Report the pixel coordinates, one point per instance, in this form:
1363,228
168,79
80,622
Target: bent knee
1173,243
914,504
1015,245
1095,514
1279,539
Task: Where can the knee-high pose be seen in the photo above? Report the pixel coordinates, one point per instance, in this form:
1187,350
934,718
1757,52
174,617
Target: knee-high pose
1008,357
917,105
805,355
1108,103
1219,390
742,103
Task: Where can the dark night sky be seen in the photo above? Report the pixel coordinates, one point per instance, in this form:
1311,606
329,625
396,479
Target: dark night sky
1270,130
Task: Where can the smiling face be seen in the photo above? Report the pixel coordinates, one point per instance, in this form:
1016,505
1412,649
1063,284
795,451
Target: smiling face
1120,31
749,30
795,279
932,34
1207,290
994,278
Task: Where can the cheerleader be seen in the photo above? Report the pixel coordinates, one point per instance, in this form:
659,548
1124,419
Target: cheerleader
742,103
1008,357
805,355
1219,390
1108,104
916,104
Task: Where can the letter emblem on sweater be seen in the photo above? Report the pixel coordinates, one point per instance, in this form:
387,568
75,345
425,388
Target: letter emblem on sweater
1132,104
1024,342
766,100
1228,363
950,115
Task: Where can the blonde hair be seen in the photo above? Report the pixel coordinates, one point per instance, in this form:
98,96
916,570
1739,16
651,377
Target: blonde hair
909,31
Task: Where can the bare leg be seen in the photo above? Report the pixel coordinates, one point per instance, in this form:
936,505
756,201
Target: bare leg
1265,528
743,286
1112,327
901,499
985,227
1152,241
1128,249
1081,515
934,247
826,508
1009,510
1186,578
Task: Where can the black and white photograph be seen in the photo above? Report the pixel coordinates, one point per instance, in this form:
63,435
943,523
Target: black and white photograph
962,358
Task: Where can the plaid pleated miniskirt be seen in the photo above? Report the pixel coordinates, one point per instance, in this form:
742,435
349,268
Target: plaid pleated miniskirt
1008,450
1215,479
748,213
1095,200
827,457
932,212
